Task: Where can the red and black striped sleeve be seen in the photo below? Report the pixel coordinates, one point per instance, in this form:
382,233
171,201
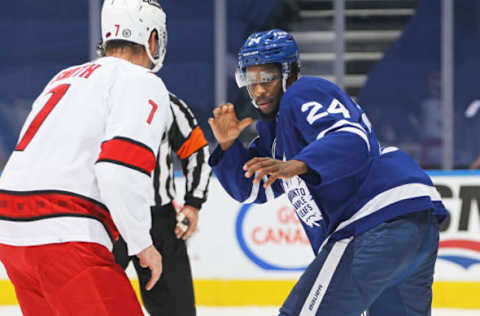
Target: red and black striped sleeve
128,153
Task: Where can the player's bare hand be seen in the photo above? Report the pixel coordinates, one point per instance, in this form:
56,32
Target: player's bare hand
151,258
183,230
225,125
276,169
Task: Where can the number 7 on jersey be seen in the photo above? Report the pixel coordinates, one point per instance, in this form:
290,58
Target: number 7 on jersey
57,94
152,113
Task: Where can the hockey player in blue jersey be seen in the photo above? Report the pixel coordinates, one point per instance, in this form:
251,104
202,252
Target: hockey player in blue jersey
371,214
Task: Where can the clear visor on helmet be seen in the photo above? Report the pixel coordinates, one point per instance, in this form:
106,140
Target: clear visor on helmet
245,78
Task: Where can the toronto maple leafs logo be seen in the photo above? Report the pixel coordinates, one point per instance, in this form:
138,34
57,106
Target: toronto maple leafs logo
253,41
301,199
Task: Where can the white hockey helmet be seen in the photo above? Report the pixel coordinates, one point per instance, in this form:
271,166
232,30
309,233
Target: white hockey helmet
134,21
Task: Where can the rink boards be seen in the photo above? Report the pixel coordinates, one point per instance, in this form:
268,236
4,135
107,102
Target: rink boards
252,254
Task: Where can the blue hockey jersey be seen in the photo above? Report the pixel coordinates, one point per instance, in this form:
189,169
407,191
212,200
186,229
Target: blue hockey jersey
352,185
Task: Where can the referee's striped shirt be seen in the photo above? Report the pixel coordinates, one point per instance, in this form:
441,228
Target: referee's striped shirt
184,138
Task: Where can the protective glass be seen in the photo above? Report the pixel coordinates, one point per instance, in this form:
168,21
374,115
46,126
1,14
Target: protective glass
245,78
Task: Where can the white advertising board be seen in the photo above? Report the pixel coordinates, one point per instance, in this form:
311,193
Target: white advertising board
266,241
236,241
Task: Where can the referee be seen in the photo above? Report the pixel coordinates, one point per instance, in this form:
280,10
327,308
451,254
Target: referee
173,293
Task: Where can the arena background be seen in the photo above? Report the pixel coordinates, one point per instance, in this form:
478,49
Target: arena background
412,64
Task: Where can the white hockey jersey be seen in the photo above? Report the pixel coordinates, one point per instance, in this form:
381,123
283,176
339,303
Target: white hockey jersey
82,168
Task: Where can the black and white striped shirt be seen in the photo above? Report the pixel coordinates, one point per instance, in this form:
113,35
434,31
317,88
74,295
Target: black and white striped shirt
184,138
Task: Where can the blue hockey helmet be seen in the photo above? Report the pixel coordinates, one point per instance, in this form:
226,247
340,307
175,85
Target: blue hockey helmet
274,46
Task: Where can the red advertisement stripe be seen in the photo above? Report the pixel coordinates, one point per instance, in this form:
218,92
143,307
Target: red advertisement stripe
31,206
129,153
460,243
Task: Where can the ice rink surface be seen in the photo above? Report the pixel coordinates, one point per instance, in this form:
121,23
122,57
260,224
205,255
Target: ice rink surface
256,311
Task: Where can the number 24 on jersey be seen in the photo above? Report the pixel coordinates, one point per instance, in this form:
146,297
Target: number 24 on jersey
315,113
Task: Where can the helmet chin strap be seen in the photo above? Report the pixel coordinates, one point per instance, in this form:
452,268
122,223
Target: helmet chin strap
252,99
285,74
284,82
157,64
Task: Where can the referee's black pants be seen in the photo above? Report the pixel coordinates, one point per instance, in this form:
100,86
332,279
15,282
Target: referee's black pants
173,293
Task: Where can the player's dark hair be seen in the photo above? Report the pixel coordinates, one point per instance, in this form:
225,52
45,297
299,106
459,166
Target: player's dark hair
117,45
294,69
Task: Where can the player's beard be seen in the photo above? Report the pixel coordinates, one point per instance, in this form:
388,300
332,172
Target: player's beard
268,117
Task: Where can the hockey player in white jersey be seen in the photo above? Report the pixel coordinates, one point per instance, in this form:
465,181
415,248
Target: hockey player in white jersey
369,212
81,174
